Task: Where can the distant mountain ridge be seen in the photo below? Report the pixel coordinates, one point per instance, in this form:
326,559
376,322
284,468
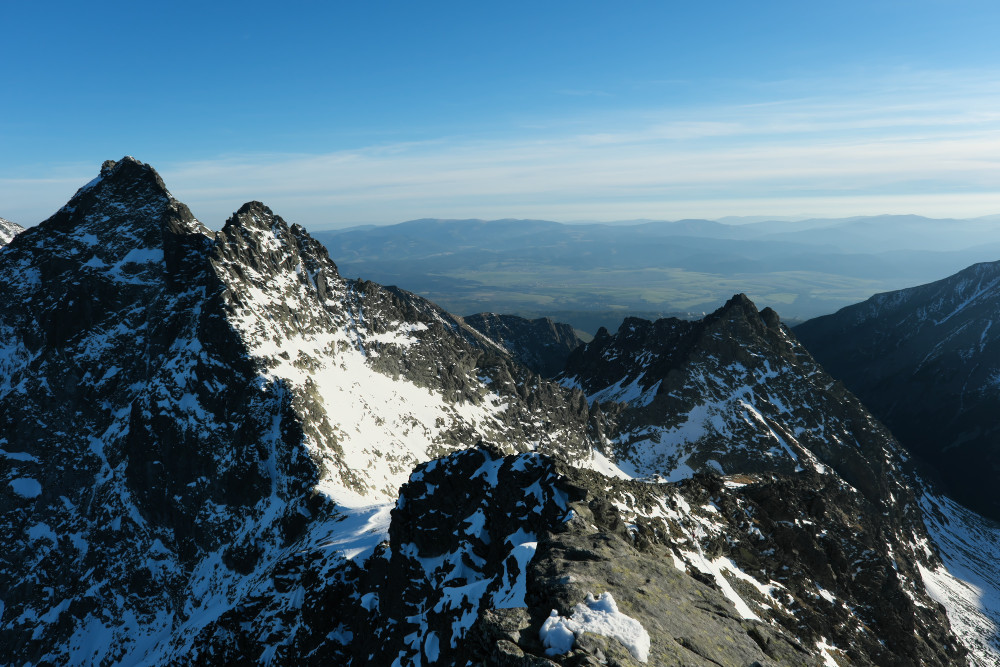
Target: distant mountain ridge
533,268
927,361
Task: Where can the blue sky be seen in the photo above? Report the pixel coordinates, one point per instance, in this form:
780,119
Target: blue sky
344,113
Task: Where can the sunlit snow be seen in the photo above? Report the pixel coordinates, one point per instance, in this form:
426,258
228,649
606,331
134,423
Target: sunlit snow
597,615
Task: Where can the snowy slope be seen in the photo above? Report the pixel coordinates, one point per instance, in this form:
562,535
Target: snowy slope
967,583
8,230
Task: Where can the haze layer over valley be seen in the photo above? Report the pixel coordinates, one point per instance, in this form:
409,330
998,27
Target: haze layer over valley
593,275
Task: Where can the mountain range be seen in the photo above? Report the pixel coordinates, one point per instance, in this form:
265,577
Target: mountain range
219,450
593,275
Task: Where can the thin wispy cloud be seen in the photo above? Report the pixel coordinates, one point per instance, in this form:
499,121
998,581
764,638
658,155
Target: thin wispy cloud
583,93
928,145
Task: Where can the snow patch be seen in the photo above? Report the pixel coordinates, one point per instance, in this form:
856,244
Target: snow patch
599,616
26,487
359,531
602,464
511,596
18,456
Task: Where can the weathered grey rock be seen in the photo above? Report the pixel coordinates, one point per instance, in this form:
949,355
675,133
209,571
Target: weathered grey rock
835,575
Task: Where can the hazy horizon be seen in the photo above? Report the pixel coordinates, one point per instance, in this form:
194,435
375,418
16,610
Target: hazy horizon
341,115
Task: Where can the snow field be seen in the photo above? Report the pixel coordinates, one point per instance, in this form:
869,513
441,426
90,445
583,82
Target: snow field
967,584
378,428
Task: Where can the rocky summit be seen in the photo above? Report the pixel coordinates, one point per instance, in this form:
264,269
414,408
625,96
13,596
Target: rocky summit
732,393
217,450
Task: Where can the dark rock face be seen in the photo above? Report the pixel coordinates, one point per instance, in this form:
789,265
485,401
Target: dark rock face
926,361
542,345
735,392
129,417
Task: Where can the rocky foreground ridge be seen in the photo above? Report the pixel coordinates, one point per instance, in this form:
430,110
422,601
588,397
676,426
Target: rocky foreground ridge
205,435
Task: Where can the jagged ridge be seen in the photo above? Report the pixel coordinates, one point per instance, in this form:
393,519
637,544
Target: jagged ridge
230,396
234,402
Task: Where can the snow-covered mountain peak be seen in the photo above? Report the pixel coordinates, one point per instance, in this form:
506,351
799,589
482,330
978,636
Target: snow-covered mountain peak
383,379
252,212
256,239
125,184
254,217
8,230
122,221
732,392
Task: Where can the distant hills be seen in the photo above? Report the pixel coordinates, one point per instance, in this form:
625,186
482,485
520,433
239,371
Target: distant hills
593,275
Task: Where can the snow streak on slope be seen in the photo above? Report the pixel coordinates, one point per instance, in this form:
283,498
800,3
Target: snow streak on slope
967,585
732,393
793,551
325,338
8,230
